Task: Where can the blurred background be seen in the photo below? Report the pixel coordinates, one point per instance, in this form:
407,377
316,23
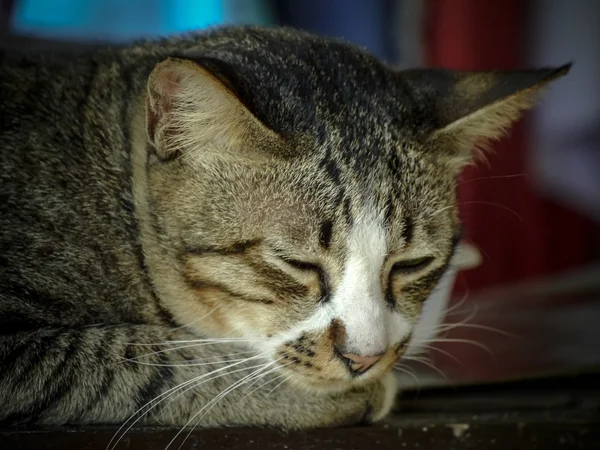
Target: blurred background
532,212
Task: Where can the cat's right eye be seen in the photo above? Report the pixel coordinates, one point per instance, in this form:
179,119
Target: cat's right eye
412,265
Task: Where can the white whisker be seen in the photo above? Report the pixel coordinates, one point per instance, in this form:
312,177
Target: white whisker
465,320
443,352
181,347
198,319
194,341
428,364
214,401
466,341
451,310
493,177
187,364
265,383
479,327
168,393
480,202
408,371
279,384
216,340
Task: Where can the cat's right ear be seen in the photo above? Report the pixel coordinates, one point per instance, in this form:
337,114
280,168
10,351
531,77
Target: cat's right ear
189,110
466,110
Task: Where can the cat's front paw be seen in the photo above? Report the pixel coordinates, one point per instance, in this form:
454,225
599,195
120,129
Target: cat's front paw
368,404
385,394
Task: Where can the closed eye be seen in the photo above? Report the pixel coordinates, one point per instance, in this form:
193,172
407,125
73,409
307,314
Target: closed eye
301,265
309,267
411,265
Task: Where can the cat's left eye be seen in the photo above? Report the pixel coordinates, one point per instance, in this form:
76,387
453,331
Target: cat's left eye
313,268
300,265
411,265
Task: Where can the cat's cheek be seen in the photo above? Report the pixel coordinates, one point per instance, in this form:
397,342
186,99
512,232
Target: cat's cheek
215,313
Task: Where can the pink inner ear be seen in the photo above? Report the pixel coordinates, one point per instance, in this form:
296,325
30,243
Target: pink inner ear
162,89
165,87
169,81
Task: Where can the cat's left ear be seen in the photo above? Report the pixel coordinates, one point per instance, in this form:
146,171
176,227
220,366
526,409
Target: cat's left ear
468,109
189,107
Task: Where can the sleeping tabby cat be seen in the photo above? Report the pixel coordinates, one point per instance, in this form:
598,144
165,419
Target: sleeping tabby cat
247,212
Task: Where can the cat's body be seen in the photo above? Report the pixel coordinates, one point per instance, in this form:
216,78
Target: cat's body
142,203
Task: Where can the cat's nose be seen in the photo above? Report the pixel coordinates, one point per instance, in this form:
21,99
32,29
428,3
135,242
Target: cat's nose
360,364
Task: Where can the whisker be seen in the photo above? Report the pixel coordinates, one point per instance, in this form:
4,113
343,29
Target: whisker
265,383
186,364
168,393
291,381
275,369
217,340
430,365
181,347
493,177
479,327
409,371
466,341
198,319
451,310
279,384
443,352
193,341
213,402
471,316
481,202
224,356
190,362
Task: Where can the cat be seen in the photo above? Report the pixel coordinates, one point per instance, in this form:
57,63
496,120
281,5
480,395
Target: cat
232,227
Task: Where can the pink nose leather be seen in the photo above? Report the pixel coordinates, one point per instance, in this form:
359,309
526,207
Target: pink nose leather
361,363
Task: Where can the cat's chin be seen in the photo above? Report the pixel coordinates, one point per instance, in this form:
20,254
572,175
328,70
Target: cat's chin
325,386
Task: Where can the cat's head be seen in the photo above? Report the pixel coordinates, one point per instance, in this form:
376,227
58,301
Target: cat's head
304,193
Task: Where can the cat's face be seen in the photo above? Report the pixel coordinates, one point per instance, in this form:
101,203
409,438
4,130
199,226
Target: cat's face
316,243
310,268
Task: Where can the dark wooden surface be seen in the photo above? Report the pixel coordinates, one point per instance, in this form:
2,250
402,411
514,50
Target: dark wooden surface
551,413
508,431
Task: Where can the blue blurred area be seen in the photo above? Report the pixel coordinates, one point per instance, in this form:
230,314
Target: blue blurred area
367,23
115,20
364,22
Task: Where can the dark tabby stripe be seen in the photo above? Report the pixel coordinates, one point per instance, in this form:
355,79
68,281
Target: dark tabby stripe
301,290
282,284
106,346
60,380
348,212
21,360
332,170
425,283
389,295
234,249
408,228
389,211
157,383
203,284
17,352
325,234
56,381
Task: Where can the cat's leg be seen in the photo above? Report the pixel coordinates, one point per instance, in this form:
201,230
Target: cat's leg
121,374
